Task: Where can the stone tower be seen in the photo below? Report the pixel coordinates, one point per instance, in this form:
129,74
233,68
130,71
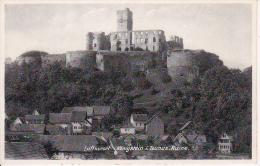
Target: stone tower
124,20
89,41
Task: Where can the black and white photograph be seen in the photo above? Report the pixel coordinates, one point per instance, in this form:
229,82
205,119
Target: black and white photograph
128,81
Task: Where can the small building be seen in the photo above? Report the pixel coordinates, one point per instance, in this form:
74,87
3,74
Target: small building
61,119
78,121
225,143
16,125
37,128
99,112
71,147
55,130
138,121
189,128
180,139
127,128
154,126
34,119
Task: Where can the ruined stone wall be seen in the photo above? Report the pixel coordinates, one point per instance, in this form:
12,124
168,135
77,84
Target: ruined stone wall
152,40
81,59
116,61
52,58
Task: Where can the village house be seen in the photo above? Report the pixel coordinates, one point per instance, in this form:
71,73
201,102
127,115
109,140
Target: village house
154,126
189,135
54,130
37,128
61,119
189,128
34,119
225,143
127,128
138,121
16,125
76,146
78,121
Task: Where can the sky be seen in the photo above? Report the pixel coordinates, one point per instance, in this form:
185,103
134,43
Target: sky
223,29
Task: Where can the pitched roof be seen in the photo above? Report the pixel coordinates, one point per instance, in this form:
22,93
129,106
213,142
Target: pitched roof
34,117
106,135
191,138
179,136
101,110
186,124
71,109
22,119
140,117
57,118
72,143
25,150
35,112
55,130
154,116
37,128
127,125
78,116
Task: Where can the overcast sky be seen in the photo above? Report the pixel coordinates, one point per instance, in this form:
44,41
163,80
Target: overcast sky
223,29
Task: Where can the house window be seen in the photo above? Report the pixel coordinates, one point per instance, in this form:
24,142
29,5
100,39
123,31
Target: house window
154,32
160,32
136,124
137,40
140,124
119,34
160,40
146,40
125,34
126,41
95,44
154,39
153,48
142,33
80,127
146,33
75,127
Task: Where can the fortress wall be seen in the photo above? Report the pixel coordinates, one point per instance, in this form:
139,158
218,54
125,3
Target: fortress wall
113,61
180,58
81,59
52,58
183,73
27,60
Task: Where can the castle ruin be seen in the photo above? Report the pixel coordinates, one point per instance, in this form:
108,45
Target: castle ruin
126,49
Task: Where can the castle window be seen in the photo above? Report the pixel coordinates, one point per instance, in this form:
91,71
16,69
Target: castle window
142,33
125,34
154,39
160,32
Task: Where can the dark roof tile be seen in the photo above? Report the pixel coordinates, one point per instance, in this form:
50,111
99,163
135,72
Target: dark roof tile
57,118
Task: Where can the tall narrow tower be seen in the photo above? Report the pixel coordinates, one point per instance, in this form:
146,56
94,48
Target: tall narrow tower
124,20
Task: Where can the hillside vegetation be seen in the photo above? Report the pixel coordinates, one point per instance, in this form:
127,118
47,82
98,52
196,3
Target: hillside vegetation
219,100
